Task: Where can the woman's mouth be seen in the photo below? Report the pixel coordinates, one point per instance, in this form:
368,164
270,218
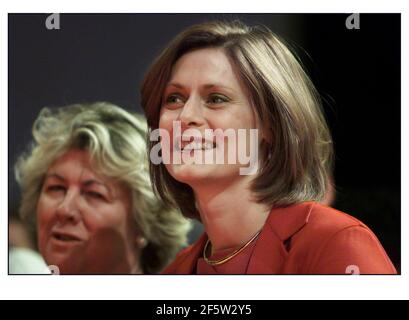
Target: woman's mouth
65,237
197,146
186,146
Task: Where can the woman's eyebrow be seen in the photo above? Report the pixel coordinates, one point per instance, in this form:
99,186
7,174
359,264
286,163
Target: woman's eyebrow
216,85
205,86
175,84
93,181
56,176
219,86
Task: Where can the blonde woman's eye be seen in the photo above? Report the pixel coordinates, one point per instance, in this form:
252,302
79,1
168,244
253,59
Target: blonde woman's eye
55,188
95,195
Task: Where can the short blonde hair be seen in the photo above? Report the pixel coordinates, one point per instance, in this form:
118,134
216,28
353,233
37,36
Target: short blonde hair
116,142
296,155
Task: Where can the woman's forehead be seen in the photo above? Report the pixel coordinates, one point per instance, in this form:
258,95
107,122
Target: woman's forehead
75,162
208,66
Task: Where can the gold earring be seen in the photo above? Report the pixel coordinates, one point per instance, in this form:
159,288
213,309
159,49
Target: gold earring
142,242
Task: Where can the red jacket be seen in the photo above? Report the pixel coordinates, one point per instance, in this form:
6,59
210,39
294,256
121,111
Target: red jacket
321,240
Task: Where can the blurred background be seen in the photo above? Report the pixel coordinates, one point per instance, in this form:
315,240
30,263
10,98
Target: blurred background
103,57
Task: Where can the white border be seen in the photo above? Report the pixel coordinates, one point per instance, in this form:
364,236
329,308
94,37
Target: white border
201,287
210,6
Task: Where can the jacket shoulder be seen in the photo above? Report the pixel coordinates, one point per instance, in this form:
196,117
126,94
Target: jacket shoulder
322,224
327,219
332,241
182,255
186,260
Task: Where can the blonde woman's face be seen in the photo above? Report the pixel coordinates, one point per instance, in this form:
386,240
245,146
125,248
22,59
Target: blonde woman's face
204,94
84,221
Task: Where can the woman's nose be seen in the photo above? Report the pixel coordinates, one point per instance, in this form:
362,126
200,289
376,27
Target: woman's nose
192,113
68,210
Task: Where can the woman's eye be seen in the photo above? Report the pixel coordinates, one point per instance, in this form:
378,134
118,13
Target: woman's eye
95,195
56,188
217,99
174,99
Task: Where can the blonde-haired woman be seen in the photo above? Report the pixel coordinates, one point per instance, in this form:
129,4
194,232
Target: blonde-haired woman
230,76
85,185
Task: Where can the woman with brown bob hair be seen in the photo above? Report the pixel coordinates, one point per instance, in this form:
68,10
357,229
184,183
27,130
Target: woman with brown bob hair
222,76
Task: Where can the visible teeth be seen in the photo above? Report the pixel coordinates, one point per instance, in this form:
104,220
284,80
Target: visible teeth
208,145
198,146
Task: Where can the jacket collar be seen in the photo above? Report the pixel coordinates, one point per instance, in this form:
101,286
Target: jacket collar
286,221
283,222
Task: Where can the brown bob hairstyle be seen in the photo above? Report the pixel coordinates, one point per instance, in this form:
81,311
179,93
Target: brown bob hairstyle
295,160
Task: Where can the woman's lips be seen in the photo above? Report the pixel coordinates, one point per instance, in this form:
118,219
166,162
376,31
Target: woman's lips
187,146
65,237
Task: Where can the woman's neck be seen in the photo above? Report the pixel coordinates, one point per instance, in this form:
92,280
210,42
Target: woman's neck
229,212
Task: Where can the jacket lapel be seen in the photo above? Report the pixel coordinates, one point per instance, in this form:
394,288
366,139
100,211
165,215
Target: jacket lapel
283,222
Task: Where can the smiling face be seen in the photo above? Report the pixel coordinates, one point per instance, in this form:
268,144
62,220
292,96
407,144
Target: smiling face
84,221
205,93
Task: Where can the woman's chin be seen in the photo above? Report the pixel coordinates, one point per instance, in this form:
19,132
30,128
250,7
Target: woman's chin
59,262
67,262
203,174
191,173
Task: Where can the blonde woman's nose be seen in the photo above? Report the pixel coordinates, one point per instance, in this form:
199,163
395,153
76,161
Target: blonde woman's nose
68,210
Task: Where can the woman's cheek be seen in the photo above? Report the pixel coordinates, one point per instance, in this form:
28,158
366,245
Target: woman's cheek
45,210
97,216
44,219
